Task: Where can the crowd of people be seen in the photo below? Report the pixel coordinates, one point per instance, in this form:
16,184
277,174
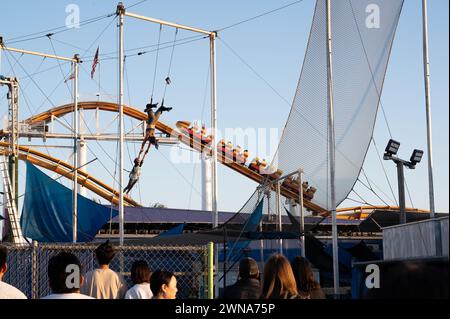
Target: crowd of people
281,279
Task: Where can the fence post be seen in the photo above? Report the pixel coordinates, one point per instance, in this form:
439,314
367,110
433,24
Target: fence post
210,270
34,271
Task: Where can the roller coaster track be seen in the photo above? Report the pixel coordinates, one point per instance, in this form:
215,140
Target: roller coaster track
103,190
64,169
163,128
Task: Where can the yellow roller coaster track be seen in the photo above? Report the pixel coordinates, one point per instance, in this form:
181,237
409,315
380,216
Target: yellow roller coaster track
111,195
58,166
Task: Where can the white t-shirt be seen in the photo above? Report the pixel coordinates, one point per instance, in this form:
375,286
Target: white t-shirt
10,292
139,291
73,295
104,284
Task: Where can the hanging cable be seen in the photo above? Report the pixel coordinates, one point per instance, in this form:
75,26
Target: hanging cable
375,193
42,34
259,15
49,36
168,80
156,62
384,170
376,88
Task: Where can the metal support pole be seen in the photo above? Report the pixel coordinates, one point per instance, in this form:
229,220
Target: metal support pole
261,247
34,270
215,193
121,12
426,64
210,275
332,145
279,223
302,217
75,70
214,126
401,191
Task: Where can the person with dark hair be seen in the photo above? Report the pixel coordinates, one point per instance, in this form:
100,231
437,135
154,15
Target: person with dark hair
279,280
140,275
104,283
64,277
248,285
163,285
307,286
7,291
134,176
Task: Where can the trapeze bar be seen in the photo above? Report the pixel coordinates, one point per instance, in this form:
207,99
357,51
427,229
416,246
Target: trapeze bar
175,25
40,54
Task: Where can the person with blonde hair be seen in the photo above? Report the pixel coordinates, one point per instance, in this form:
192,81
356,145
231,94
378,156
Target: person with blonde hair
279,281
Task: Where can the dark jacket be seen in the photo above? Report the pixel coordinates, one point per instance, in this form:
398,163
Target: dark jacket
243,289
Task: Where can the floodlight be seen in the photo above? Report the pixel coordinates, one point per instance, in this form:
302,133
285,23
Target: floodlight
416,157
392,147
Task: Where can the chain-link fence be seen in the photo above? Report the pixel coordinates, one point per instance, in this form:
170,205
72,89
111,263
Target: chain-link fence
28,265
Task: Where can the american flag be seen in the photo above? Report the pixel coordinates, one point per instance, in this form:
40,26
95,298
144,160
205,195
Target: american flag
94,63
71,77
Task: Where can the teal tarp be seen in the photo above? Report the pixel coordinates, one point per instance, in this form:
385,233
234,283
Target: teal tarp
47,211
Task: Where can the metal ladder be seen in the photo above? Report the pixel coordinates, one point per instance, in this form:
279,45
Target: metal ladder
10,204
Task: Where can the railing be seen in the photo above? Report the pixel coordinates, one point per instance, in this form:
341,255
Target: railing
27,265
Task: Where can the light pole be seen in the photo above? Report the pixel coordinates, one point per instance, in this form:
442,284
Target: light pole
391,154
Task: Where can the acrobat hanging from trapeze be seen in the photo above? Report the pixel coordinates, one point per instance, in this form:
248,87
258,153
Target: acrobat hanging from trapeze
152,118
134,175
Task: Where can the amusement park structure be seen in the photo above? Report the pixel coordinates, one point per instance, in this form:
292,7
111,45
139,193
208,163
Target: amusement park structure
291,185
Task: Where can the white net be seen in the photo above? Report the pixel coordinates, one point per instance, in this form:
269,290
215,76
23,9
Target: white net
362,35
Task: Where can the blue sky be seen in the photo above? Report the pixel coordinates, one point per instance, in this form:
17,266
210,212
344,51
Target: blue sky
274,46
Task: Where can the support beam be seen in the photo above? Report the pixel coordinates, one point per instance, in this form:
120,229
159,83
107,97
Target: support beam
121,13
170,24
301,212
206,182
426,64
75,69
332,148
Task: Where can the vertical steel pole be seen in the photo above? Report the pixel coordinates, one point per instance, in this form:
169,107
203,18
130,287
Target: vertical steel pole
214,126
261,246
279,224
332,146
401,191
75,66
215,192
210,281
302,217
426,64
121,11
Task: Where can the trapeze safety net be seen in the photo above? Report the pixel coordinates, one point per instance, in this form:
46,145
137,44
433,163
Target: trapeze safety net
362,35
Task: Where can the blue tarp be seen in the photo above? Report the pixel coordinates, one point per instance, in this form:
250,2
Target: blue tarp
177,230
236,248
47,211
